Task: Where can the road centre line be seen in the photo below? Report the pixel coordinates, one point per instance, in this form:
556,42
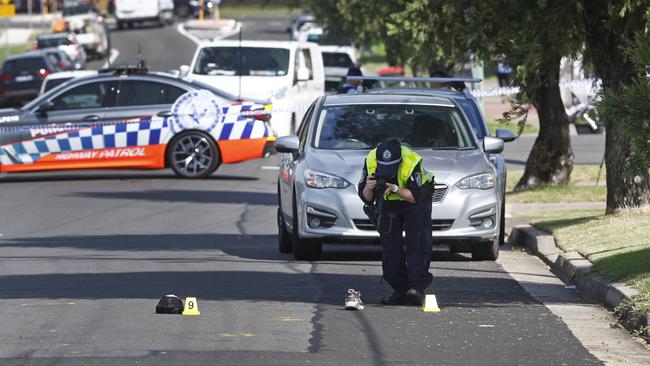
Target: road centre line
270,167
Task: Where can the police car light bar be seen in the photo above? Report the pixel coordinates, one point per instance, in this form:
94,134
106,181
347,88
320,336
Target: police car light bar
415,79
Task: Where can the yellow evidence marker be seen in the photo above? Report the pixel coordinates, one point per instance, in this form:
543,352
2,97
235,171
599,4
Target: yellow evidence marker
191,306
430,304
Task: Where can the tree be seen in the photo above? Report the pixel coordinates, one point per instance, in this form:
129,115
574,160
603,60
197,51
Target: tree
616,39
533,34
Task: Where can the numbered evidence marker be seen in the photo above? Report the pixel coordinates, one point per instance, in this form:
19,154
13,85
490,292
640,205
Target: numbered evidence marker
191,306
430,304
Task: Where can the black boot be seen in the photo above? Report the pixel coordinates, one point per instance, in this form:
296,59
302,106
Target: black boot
413,297
396,298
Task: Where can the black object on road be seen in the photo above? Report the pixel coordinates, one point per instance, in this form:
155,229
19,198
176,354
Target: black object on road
170,304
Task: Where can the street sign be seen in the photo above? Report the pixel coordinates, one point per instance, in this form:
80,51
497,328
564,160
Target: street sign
7,8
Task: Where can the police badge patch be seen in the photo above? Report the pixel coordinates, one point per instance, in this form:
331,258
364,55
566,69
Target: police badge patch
387,155
418,179
197,110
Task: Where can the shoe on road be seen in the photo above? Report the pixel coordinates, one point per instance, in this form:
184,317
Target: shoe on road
396,298
413,297
353,300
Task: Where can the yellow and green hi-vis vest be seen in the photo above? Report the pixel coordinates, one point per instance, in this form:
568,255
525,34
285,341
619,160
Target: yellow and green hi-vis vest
410,160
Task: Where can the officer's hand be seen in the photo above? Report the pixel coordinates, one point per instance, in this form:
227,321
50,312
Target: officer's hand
371,182
389,188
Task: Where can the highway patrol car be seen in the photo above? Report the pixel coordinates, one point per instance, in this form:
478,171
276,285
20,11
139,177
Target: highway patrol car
132,118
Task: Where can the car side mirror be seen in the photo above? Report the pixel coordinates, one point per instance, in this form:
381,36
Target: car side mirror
287,144
303,74
183,71
44,107
505,134
492,145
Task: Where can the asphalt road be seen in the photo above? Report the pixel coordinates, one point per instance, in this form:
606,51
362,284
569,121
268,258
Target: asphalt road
85,256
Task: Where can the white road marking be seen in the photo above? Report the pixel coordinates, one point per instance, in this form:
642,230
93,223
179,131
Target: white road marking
111,59
270,168
486,326
181,29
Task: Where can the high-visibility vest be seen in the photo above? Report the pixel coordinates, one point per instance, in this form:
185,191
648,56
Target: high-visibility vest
410,161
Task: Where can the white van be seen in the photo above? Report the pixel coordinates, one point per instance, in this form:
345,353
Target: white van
128,12
288,74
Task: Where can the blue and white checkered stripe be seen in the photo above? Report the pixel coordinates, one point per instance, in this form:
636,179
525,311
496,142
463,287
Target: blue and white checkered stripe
238,125
142,132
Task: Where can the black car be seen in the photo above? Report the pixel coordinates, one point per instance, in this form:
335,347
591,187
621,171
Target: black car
22,76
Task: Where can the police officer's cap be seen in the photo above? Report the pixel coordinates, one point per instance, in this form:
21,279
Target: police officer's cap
389,156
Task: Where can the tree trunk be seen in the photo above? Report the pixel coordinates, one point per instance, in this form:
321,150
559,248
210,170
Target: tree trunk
551,159
605,45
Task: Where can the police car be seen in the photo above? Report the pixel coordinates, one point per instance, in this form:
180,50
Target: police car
132,118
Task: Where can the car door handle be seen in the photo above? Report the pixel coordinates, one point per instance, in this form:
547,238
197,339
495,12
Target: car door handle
164,114
91,118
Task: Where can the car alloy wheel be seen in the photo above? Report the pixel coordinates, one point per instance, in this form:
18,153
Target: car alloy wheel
193,155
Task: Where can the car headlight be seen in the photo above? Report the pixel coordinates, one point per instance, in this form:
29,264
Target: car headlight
316,179
481,181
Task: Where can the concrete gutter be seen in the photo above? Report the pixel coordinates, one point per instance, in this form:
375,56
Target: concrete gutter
574,269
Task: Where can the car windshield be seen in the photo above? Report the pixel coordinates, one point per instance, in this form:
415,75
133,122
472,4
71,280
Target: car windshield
358,127
337,59
247,61
52,42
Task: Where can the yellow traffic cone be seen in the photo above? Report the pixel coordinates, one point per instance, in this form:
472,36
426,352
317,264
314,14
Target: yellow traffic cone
191,306
430,304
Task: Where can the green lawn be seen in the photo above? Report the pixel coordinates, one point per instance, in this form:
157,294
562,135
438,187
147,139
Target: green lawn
582,188
493,125
617,245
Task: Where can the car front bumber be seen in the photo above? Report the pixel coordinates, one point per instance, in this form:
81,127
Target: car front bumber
458,215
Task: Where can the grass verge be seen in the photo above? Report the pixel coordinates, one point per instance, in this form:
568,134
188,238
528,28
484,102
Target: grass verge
493,125
617,245
582,188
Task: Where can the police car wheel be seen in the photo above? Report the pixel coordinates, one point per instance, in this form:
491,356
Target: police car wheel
285,244
304,249
485,250
193,155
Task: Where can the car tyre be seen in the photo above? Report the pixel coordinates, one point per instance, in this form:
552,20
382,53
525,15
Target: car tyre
199,148
485,250
304,249
285,241
502,222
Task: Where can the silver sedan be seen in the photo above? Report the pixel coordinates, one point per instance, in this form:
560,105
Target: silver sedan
322,165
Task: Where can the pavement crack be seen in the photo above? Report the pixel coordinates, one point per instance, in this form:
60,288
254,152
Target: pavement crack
242,220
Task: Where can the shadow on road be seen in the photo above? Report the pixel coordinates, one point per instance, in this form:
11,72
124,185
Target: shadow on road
84,176
192,196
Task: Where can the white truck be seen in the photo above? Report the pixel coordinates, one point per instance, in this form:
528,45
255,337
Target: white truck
128,12
289,74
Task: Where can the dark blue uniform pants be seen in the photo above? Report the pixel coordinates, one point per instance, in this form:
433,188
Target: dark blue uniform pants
407,269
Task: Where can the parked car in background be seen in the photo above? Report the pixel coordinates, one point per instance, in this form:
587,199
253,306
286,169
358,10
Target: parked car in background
190,8
129,12
337,60
91,34
60,58
297,23
290,74
67,42
132,118
53,80
22,76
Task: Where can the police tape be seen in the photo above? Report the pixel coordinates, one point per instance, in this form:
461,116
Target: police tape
589,86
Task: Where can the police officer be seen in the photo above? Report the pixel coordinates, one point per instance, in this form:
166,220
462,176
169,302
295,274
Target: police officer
394,181
352,86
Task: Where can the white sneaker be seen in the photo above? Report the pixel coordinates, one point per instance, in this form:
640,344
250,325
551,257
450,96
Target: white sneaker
353,300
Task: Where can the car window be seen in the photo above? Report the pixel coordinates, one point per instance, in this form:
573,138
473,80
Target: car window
337,59
27,65
475,118
52,42
52,83
143,92
304,126
306,59
90,95
351,127
253,61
